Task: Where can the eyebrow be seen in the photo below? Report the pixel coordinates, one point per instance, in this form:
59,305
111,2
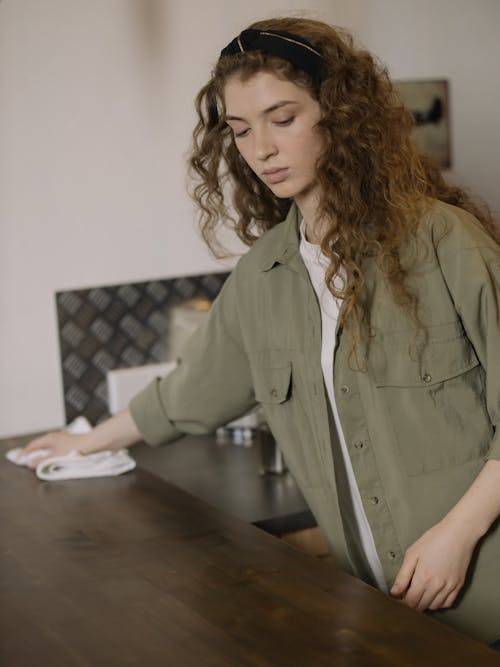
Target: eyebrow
273,107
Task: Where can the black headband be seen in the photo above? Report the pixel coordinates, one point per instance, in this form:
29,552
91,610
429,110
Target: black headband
296,50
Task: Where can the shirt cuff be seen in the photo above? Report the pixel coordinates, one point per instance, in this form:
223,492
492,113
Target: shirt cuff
494,451
150,418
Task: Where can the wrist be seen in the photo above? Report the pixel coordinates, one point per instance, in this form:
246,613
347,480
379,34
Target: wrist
471,527
116,433
89,444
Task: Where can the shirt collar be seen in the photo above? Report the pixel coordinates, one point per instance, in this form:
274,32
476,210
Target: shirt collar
284,248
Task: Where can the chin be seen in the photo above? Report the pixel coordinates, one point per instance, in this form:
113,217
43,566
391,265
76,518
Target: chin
284,190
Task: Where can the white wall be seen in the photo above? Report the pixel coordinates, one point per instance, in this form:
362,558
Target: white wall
96,113
95,120
453,39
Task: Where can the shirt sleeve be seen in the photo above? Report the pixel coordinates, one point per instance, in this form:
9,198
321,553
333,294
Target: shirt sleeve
211,385
470,263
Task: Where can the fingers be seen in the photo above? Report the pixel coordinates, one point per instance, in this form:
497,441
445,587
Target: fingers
431,595
416,596
33,462
416,592
404,576
427,595
36,451
55,443
38,443
450,600
444,599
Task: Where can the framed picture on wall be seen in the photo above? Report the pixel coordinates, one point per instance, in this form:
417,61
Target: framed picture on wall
428,102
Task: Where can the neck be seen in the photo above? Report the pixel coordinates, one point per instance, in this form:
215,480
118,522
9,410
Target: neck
308,205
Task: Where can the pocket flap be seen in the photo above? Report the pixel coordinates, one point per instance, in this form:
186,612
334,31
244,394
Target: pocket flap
441,359
271,384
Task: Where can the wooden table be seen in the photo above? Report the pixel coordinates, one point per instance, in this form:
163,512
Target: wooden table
227,477
133,571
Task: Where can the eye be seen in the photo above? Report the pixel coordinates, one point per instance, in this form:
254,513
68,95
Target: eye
243,133
287,121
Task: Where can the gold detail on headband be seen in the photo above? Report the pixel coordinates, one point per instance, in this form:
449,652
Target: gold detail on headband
288,39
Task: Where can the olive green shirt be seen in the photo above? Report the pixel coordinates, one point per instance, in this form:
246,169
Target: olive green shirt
419,423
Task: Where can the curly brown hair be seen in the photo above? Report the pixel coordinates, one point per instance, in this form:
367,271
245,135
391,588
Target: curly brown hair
382,182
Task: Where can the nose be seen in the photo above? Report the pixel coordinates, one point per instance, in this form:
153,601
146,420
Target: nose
265,145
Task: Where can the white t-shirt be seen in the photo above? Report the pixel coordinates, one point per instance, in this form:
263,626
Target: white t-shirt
316,264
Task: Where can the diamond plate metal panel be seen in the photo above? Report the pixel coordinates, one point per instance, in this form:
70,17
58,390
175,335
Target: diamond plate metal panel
118,326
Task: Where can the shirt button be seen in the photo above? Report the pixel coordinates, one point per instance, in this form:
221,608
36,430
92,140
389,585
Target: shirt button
391,555
274,392
345,389
359,444
427,378
374,500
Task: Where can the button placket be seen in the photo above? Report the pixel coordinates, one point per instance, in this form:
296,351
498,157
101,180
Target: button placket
352,415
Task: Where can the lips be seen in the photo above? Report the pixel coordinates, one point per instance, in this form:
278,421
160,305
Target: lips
276,175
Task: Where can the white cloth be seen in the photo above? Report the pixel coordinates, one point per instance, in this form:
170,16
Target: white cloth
74,465
316,264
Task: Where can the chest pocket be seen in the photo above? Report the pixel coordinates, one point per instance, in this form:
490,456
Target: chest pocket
272,385
447,353
435,399
286,409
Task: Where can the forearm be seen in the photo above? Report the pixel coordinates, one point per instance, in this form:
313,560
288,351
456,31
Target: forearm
115,433
479,507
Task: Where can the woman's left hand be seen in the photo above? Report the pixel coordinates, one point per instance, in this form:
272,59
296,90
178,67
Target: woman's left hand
434,567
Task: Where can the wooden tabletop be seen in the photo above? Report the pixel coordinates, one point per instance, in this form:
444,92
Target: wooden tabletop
227,476
132,571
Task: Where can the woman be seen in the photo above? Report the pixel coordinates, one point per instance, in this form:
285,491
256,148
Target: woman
364,319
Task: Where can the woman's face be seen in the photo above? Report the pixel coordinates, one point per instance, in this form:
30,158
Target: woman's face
273,122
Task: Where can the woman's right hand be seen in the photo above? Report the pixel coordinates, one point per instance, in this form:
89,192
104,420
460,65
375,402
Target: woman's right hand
55,443
115,433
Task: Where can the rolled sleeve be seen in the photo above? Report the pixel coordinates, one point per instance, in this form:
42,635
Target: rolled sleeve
494,452
470,263
149,416
211,385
